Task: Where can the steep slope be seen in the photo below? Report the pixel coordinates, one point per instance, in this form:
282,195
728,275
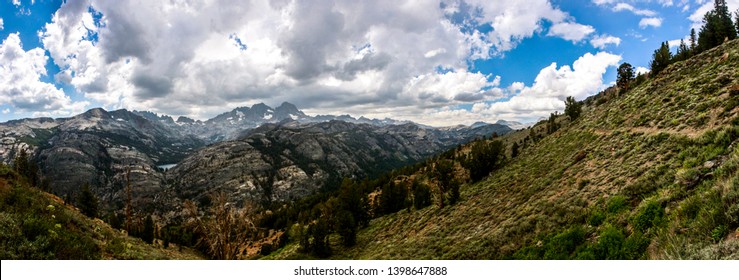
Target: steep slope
648,173
38,225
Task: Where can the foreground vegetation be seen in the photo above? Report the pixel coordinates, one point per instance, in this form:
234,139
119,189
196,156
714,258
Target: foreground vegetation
37,225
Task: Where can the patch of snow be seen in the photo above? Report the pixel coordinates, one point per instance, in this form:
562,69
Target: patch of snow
294,117
167,166
119,119
267,116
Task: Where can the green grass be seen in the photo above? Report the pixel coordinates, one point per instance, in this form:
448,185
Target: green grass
41,136
629,179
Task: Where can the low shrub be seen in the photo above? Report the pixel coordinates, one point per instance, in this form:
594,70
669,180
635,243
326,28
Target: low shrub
650,215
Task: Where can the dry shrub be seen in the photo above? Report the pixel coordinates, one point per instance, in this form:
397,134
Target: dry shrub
224,230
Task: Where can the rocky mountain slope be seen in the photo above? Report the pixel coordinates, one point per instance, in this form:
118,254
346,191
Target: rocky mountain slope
119,153
107,150
297,158
648,173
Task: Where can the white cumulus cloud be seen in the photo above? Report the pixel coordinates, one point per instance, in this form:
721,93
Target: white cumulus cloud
181,57
571,31
653,22
601,41
627,7
20,84
551,87
641,70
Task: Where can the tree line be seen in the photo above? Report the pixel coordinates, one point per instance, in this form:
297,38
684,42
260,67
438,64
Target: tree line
717,28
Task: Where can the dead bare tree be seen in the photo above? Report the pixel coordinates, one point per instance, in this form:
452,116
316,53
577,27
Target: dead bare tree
225,230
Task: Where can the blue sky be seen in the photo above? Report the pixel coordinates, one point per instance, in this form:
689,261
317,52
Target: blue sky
433,62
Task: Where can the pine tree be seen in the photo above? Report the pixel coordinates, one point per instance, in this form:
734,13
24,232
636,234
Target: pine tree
393,197
87,202
351,210
573,109
660,59
483,159
148,234
693,42
265,184
552,123
736,21
444,173
683,52
26,168
320,231
303,236
514,149
453,192
706,36
346,227
115,221
421,195
717,26
20,164
727,29
625,75
640,78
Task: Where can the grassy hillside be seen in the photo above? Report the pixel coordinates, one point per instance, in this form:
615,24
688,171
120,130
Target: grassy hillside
37,225
651,173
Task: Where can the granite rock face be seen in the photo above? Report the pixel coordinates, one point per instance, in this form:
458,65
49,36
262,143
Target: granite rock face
302,158
107,150
256,154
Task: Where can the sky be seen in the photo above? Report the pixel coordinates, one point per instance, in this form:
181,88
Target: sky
433,62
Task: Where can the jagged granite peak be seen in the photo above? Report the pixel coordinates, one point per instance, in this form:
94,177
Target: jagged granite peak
235,123
287,110
154,116
246,116
183,119
229,116
260,112
288,107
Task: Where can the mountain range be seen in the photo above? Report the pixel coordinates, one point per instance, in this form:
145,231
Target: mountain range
124,152
229,125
